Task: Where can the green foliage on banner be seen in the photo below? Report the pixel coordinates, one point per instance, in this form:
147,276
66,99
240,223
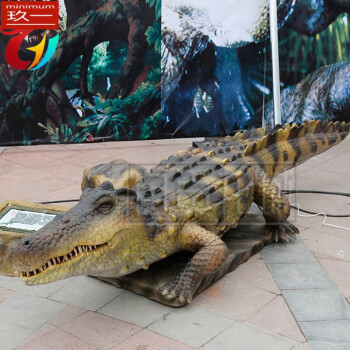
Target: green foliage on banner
158,6
119,119
71,77
301,55
153,34
63,134
150,125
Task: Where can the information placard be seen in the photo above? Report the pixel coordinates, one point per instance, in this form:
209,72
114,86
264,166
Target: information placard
25,220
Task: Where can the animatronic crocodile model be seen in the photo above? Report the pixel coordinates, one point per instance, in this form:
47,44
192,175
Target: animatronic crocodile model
186,203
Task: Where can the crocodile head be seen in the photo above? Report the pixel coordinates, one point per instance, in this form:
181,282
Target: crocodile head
91,238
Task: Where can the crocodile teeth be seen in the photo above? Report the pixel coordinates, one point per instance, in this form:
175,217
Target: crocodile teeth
64,258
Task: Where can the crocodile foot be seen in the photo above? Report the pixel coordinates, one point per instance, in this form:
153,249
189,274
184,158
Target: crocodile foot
178,288
283,230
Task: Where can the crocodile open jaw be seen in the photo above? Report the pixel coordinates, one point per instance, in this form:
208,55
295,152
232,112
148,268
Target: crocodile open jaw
77,251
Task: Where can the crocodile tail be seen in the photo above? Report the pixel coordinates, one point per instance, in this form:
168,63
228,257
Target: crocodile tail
287,146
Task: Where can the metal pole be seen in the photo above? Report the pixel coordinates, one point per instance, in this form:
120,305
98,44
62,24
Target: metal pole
275,61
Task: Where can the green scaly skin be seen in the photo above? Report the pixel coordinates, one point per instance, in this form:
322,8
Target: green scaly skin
187,202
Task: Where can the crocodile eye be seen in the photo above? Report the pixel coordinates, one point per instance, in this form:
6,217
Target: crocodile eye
105,208
280,206
104,205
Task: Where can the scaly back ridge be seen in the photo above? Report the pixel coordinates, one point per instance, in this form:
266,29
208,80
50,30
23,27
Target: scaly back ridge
286,146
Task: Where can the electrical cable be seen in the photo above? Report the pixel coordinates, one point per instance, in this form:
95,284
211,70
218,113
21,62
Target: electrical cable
318,214
345,194
314,213
61,201
295,206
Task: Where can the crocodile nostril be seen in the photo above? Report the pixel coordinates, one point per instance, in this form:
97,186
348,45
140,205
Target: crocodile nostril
26,242
66,220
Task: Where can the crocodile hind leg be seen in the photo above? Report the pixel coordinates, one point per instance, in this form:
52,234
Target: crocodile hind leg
275,207
211,253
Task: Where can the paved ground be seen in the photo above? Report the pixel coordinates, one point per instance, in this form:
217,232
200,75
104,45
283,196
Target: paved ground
291,296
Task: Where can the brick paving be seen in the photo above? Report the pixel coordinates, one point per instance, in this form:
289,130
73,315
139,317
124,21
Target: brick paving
264,304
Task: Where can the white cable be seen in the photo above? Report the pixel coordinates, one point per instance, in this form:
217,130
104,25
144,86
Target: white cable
318,214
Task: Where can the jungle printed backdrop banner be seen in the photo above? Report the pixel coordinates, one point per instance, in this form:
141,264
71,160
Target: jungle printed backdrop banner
140,69
103,81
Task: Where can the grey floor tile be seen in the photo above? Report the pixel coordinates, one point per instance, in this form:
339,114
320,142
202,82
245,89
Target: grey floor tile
244,337
254,209
28,311
191,325
327,335
87,293
327,346
293,252
44,290
317,304
304,346
12,335
300,276
136,309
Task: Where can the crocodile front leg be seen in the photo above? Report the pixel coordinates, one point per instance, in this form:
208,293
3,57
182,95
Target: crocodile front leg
211,253
275,207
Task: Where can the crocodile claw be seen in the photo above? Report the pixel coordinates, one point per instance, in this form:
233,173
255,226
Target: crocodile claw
177,289
283,230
